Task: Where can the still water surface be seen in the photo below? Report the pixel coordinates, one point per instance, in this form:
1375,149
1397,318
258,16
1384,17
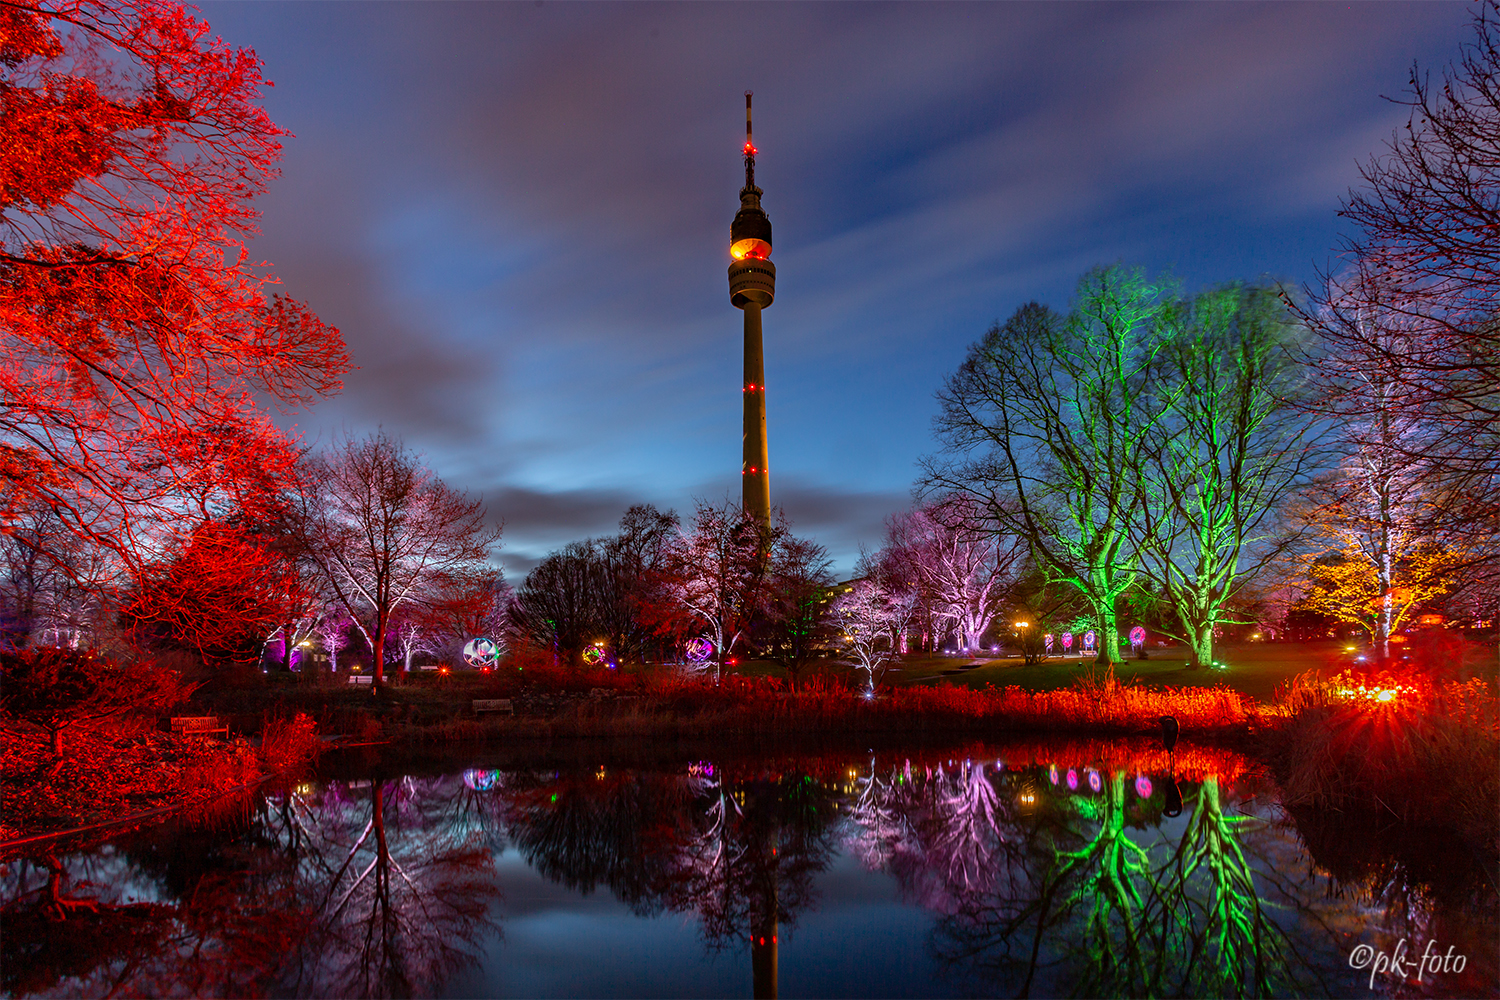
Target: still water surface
1041,869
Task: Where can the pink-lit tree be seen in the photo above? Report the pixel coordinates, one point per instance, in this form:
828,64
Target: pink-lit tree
385,531
873,617
964,569
716,571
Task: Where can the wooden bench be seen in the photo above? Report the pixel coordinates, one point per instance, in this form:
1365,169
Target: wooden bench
199,725
361,679
494,705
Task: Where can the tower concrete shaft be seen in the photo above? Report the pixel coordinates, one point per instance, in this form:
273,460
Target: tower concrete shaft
752,287
756,485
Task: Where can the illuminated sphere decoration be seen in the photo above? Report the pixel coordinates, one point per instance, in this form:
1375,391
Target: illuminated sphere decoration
481,652
592,655
699,650
1138,636
1089,638
481,780
1067,641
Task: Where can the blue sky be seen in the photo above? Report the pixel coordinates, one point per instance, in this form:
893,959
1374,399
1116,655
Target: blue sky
518,215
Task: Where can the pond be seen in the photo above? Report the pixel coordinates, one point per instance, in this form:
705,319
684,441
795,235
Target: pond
1007,869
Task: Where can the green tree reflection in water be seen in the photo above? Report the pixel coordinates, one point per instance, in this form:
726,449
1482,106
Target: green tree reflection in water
1072,901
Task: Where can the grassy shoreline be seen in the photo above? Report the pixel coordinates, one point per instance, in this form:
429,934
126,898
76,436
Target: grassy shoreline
1302,736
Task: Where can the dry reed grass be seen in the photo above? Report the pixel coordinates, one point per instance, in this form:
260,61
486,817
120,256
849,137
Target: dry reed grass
1429,754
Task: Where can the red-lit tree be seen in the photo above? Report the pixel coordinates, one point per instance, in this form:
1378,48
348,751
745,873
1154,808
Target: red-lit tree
219,595
135,330
59,690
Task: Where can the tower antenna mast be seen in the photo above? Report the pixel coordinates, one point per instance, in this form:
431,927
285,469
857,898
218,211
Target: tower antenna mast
752,287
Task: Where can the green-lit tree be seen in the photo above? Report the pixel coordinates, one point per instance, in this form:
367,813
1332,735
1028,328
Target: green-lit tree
1231,446
794,625
1045,421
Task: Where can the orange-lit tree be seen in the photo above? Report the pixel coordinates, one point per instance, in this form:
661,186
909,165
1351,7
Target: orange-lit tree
1380,598
135,331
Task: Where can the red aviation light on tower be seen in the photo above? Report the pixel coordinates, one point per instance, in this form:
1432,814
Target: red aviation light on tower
749,239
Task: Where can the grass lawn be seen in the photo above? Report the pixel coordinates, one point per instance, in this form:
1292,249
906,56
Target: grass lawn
1255,669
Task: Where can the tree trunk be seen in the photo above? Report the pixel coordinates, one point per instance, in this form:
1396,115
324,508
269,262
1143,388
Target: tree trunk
1200,638
378,647
1109,635
286,647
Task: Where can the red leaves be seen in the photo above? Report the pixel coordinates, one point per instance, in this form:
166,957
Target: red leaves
219,597
135,335
58,688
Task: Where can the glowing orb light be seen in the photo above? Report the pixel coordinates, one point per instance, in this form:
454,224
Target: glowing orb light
1143,786
1047,641
592,655
699,650
1052,773
1089,638
1095,783
1067,641
481,652
480,780
1138,636
1072,780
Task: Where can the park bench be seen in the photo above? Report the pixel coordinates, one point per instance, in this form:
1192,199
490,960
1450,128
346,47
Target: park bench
199,725
361,679
494,705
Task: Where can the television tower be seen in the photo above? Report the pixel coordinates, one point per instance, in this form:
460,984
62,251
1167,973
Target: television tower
752,287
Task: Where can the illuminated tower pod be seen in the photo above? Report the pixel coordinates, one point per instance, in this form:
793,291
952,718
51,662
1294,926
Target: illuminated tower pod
752,287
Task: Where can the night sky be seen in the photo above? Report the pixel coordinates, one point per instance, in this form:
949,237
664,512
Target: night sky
518,215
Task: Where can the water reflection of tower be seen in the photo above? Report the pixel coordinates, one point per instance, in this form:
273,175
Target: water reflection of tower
765,898
752,287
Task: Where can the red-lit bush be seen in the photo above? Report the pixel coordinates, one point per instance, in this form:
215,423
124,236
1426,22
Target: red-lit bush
61,689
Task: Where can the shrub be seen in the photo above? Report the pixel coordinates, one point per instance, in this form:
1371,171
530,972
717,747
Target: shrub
57,689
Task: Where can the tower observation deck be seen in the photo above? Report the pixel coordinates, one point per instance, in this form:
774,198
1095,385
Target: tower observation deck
752,287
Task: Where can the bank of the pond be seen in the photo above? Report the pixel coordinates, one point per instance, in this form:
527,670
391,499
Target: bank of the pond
116,776
741,706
